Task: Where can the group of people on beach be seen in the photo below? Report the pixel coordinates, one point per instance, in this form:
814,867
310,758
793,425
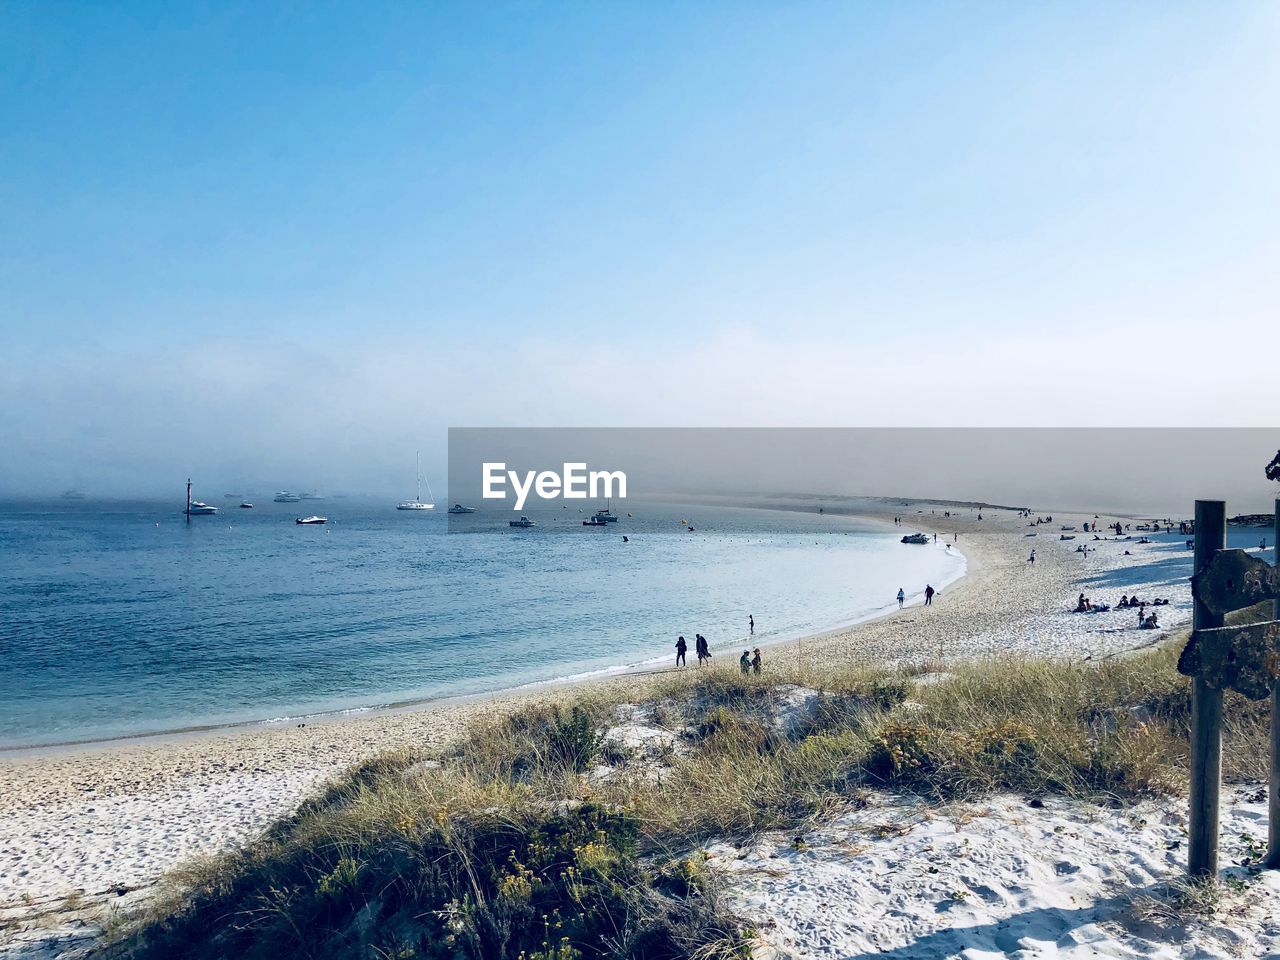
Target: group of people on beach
929,594
1146,621
750,661
702,648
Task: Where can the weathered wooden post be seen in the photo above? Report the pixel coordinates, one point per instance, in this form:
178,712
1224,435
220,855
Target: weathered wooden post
1206,709
1273,777
1245,659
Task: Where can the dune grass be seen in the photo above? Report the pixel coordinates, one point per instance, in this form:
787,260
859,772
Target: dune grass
541,836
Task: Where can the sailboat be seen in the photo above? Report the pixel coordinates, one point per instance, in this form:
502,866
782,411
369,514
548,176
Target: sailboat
417,503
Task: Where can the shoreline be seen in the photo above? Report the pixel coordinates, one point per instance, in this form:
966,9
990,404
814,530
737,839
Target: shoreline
201,731
96,817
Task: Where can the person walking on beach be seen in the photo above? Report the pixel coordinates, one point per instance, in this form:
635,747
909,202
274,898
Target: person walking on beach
704,650
928,595
1032,559
745,661
681,647
902,597
756,661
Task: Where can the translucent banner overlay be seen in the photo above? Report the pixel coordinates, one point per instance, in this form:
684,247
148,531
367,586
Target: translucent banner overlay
571,478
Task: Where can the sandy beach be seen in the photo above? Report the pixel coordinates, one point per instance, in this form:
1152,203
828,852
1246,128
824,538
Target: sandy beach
105,820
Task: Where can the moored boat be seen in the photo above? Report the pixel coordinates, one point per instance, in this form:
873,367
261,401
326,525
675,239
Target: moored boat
459,508
522,522
311,520
417,503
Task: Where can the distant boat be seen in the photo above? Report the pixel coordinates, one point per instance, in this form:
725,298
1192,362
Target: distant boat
417,503
312,520
915,538
232,496
606,515
284,496
72,495
313,496
246,505
522,522
459,508
596,521
198,508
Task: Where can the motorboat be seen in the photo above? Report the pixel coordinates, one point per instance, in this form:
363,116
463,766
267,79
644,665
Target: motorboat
596,521
246,505
417,503
311,520
915,538
284,496
459,508
198,508
523,522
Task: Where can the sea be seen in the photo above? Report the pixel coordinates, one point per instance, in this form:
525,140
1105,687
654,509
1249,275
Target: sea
122,619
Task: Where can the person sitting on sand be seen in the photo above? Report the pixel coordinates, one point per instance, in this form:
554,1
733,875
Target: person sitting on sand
1151,623
745,661
756,661
1124,600
681,647
1081,604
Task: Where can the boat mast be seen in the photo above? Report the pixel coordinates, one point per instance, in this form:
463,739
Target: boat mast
188,499
417,461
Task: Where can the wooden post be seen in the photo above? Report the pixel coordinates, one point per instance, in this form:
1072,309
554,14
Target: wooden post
188,499
1273,778
1206,712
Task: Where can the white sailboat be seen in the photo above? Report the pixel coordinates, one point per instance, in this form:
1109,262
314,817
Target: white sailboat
417,503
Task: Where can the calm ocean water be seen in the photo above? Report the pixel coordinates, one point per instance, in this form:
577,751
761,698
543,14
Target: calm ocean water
120,619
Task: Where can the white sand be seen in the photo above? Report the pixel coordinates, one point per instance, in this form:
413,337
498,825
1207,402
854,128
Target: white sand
1002,879
95,819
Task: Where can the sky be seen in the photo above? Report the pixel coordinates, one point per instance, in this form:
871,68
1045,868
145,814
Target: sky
293,243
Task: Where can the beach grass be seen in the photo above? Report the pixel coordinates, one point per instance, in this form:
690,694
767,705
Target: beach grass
549,832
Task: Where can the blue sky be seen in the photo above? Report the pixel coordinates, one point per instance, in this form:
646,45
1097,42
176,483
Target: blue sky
644,213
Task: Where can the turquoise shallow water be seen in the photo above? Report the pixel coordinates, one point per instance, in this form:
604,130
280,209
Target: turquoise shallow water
121,619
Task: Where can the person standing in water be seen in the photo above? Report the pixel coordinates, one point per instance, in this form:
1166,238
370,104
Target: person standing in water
751,623
681,647
928,595
902,597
